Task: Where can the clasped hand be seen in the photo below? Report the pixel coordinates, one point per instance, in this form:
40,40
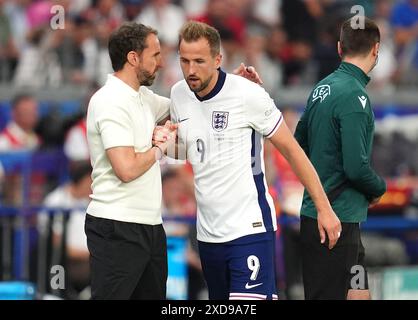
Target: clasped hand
165,136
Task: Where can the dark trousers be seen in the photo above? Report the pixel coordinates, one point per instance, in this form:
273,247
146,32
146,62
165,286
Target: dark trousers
329,274
127,260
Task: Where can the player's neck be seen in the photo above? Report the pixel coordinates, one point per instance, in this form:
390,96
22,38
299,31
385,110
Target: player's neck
211,85
359,62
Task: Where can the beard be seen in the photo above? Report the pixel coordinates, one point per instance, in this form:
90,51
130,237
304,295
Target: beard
202,87
146,78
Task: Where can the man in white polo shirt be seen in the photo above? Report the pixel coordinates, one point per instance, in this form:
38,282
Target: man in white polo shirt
125,236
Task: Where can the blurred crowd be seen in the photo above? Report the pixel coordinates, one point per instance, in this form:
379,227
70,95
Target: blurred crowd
290,42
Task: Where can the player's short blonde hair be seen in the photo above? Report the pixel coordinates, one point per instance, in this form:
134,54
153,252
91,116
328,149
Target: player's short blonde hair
194,30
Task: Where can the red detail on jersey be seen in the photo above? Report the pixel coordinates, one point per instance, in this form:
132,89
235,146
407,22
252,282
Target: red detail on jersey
13,140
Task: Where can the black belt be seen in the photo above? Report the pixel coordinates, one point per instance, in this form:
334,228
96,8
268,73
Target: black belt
335,193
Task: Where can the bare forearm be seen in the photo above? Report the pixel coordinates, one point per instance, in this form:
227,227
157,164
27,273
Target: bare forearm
306,173
284,141
129,165
144,161
328,223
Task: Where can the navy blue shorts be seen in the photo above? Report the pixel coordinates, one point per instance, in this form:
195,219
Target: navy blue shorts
242,269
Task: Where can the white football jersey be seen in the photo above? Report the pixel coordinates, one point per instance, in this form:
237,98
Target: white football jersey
223,135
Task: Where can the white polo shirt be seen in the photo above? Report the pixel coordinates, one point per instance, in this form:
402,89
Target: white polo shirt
120,116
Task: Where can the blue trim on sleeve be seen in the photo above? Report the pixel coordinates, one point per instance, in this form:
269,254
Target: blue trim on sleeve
279,121
259,180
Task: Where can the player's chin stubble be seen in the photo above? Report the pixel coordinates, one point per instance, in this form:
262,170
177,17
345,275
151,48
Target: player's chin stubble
202,87
145,78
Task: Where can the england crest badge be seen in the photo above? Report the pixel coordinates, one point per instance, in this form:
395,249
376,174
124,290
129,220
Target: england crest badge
219,120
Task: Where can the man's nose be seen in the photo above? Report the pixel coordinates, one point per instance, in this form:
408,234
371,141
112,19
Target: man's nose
160,64
192,68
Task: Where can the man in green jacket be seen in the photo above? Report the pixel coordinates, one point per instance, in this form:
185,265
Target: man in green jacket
336,132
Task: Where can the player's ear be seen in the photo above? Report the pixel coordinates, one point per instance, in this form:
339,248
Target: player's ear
132,58
339,49
218,60
376,49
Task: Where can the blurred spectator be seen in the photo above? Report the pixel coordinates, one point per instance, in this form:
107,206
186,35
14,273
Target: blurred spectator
39,13
231,50
110,12
298,55
304,43
77,50
178,198
1,179
256,55
38,65
325,49
78,6
266,12
194,8
133,8
383,250
101,65
75,145
73,196
18,19
404,20
276,50
164,16
300,18
19,133
224,15
8,52
384,72
300,22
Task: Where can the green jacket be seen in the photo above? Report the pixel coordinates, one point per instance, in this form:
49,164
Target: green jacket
336,132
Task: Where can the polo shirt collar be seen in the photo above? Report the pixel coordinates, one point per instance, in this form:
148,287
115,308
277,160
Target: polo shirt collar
115,81
355,71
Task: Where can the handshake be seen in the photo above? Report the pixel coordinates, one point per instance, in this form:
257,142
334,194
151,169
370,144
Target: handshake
164,137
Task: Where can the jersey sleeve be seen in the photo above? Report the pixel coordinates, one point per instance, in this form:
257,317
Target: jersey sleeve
355,125
262,114
114,125
301,132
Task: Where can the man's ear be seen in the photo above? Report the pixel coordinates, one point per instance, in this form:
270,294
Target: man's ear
376,49
218,61
339,49
132,58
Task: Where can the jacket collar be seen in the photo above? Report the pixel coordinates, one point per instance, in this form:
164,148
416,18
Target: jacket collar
355,71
